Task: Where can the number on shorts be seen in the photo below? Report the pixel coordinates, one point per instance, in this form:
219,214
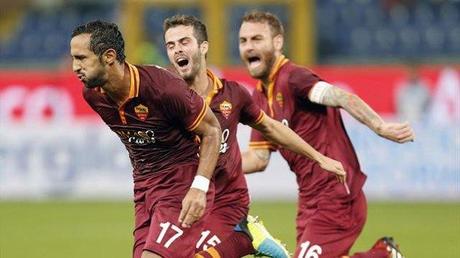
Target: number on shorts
212,241
308,251
164,228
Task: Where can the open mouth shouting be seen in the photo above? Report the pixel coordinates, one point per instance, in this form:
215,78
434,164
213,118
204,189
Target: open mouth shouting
81,77
182,63
253,61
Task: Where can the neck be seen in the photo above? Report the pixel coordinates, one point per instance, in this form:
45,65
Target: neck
265,82
201,84
118,83
266,78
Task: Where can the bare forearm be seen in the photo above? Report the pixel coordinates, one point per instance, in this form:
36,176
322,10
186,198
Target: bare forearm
288,139
209,153
354,105
255,160
210,133
326,94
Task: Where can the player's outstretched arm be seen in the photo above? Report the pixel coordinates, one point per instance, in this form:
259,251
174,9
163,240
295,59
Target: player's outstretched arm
283,136
194,202
329,95
255,160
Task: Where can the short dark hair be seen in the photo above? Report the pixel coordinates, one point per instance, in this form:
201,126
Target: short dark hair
103,36
199,29
265,17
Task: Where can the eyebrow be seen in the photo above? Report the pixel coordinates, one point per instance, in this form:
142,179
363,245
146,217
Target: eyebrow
171,42
252,36
77,56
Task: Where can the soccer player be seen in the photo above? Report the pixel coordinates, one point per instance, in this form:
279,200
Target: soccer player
330,215
187,44
156,118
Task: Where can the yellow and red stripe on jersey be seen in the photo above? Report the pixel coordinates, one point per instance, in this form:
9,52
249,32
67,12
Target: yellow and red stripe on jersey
198,119
133,90
280,61
216,86
211,252
262,145
260,118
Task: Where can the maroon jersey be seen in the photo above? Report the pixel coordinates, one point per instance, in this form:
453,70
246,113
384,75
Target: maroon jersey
286,100
155,122
231,104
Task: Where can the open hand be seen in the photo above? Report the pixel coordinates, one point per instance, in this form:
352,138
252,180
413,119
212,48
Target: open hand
335,167
193,207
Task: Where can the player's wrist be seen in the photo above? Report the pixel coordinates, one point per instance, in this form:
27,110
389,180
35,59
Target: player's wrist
377,126
200,183
318,157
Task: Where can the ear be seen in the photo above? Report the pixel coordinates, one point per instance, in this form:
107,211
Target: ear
204,46
109,56
278,42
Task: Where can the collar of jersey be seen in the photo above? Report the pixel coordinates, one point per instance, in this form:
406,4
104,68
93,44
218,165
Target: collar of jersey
135,82
271,85
216,86
133,90
133,85
280,61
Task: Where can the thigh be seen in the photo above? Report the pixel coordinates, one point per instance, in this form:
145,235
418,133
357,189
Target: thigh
220,225
167,238
157,228
231,205
331,233
141,223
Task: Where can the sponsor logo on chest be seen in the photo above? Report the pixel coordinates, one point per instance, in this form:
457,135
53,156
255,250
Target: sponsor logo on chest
137,137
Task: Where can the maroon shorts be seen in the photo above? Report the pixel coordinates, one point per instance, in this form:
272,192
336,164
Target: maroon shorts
330,229
231,205
158,201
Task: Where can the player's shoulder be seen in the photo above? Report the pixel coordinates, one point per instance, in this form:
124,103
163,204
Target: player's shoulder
160,79
299,73
296,69
234,86
91,95
157,72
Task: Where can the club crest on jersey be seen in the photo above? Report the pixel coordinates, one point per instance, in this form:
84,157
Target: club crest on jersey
225,108
141,111
280,99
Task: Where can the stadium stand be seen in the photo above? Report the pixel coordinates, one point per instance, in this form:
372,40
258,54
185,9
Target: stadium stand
369,30
347,31
43,34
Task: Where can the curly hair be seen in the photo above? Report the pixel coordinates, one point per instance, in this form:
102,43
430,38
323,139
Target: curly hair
103,36
272,20
199,29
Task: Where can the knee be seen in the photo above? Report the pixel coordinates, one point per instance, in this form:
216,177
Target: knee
148,254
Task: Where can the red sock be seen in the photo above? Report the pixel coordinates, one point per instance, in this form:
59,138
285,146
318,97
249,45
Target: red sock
235,246
372,253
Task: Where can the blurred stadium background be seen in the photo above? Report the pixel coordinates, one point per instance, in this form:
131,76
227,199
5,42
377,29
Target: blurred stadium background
65,179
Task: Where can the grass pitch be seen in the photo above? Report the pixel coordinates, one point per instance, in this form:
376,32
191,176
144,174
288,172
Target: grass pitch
104,229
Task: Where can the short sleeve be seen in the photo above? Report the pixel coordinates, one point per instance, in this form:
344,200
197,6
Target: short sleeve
183,104
301,81
257,140
250,111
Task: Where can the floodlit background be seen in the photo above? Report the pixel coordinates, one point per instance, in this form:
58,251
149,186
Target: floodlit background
65,178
